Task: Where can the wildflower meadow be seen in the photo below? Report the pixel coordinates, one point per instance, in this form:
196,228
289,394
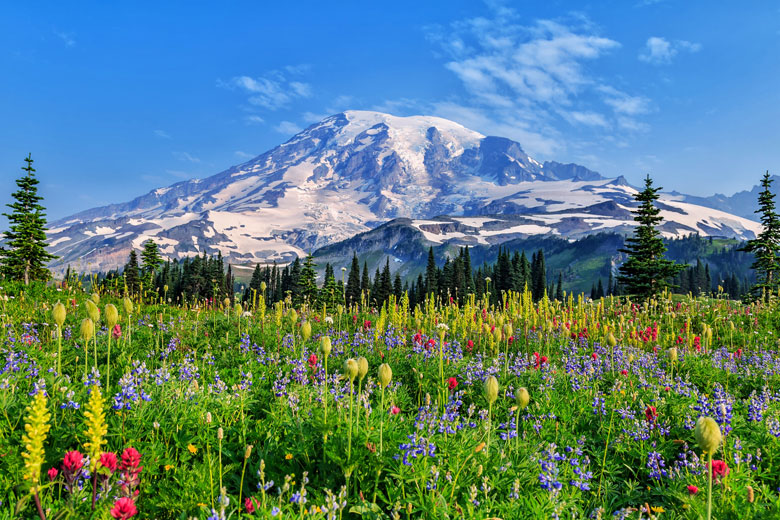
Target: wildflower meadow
117,407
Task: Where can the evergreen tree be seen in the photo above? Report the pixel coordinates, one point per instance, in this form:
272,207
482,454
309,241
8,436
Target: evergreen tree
365,281
132,274
431,286
538,276
151,259
766,245
398,289
309,280
559,288
26,256
353,281
646,271
599,290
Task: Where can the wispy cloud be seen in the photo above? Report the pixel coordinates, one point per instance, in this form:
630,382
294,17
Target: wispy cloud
184,156
162,134
660,51
242,155
67,38
179,174
532,81
274,90
287,127
254,119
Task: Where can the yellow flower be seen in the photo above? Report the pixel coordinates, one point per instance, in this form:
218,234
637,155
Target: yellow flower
192,449
168,467
36,428
288,456
657,509
96,426
201,504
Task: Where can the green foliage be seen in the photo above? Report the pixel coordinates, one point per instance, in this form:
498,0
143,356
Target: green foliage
26,257
766,246
646,272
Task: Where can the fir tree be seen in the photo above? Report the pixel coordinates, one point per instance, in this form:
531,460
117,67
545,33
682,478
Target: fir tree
559,288
309,280
132,275
766,245
646,271
431,285
26,256
353,281
151,259
365,280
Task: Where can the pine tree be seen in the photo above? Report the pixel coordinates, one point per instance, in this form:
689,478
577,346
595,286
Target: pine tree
766,245
538,276
151,259
646,271
353,281
132,275
365,281
431,285
559,288
309,280
26,256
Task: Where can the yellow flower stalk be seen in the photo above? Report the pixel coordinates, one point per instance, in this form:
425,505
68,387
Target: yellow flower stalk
96,427
36,427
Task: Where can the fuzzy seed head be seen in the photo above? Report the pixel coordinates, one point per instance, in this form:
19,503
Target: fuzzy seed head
522,397
58,314
92,311
351,369
306,330
673,355
220,433
112,315
385,374
325,346
87,329
611,340
293,315
95,298
708,435
128,304
362,367
491,389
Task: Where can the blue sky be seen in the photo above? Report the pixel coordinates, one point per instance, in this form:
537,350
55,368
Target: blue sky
116,98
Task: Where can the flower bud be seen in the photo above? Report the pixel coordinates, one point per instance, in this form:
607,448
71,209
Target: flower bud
128,303
248,451
306,330
385,374
491,389
208,418
220,433
611,341
92,311
362,367
226,302
87,329
708,434
351,369
522,397
750,495
263,286
238,310
112,315
58,314
673,355
95,298
325,346
293,315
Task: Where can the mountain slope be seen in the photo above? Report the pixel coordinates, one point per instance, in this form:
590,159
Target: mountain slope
352,172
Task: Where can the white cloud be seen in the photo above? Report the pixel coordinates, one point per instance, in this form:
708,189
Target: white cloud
532,81
660,51
273,91
179,174
67,38
184,156
255,119
287,127
243,155
162,134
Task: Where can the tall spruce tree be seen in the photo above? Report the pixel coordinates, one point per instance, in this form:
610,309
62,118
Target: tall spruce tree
766,245
26,256
646,271
309,280
353,281
132,274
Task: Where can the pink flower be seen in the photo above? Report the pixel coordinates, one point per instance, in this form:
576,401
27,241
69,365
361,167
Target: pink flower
624,372
249,505
719,468
651,414
594,356
312,361
108,460
116,332
394,410
73,461
124,508
52,473
469,345
452,383
693,490
130,459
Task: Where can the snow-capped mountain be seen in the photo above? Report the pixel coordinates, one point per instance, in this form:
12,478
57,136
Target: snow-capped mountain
354,171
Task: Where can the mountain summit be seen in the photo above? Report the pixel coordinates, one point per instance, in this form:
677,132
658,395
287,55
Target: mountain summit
351,172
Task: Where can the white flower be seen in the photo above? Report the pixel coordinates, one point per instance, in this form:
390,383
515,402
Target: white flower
442,326
246,314
329,320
